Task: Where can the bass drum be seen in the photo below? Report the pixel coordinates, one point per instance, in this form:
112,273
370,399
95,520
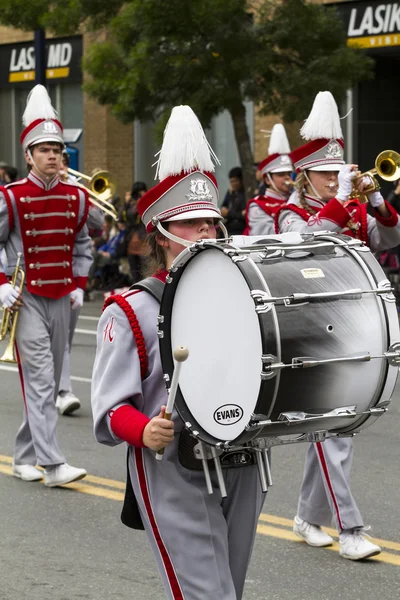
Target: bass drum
294,334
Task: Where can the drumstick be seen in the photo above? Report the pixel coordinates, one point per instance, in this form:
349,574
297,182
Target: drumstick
180,355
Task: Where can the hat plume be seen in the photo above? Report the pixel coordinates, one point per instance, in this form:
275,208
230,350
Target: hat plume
185,146
323,121
38,106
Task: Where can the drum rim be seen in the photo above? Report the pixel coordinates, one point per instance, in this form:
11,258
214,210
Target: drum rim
165,336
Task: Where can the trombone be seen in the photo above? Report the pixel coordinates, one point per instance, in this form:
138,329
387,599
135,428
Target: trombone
9,320
100,188
387,166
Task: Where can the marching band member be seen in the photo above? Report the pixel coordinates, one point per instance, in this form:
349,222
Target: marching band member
67,402
44,219
202,544
276,170
321,202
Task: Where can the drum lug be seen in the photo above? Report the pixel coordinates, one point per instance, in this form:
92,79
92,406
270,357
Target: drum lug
393,355
270,366
262,301
160,318
160,333
235,255
255,418
385,290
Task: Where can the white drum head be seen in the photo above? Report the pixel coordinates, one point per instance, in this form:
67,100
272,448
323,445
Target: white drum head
213,315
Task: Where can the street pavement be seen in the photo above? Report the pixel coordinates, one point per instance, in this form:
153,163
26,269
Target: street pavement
69,543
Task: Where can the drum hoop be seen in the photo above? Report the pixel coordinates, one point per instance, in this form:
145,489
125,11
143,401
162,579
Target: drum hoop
167,361
387,383
277,337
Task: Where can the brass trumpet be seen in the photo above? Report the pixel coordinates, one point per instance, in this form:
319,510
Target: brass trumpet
9,320
387,166
100,188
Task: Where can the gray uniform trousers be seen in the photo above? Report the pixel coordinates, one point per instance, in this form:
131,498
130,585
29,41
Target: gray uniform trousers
202,544
325,490
65,381
41,337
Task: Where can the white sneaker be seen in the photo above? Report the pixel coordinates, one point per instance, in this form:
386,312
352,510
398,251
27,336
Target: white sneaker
312,534
355,546
67,403
27,472
62,474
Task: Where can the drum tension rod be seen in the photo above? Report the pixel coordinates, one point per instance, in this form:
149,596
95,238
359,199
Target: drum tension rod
263,301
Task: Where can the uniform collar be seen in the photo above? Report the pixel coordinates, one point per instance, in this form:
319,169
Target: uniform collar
42,183
311,201
270,193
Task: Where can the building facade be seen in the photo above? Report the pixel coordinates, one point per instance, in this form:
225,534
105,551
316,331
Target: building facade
374,123
127,151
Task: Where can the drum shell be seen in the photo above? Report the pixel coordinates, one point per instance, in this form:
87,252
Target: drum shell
323,329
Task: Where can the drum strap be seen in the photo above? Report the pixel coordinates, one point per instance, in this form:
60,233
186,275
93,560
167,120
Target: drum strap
130,514
294,208
151,285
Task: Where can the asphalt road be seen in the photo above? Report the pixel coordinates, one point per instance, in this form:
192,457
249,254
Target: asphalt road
69,544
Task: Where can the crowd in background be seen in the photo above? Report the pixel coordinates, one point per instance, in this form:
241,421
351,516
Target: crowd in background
119,247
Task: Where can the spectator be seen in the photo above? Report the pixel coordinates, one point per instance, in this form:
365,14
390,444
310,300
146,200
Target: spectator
136,234
3,166
105,271
234,205
10,174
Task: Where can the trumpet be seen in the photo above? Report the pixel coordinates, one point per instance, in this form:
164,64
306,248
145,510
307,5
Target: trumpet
9,320
387,166
100,188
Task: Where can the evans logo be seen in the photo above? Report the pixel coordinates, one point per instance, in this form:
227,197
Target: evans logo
228,414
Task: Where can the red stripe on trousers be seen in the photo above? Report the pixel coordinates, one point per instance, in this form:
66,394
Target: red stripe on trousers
328,481
169,569
21,377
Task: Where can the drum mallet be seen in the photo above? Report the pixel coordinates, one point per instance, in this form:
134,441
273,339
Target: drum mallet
180,355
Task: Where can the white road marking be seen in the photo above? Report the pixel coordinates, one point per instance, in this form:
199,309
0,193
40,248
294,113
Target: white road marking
88,318
73,377
86,331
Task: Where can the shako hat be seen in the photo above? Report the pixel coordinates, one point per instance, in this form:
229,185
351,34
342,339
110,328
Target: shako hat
40,120
187,188
325,148
278,159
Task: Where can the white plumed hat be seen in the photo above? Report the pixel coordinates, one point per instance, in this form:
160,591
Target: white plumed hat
325,148
40,120
278,159
187,187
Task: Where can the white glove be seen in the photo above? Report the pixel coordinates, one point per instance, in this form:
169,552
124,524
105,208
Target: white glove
375,199
76,298
345,180
8,294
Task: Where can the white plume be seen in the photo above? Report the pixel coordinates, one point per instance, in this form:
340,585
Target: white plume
185,146
278,143
323,120
38,106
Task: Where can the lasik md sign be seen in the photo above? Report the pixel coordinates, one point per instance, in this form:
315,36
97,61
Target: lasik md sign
374,20
63,61
23,59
